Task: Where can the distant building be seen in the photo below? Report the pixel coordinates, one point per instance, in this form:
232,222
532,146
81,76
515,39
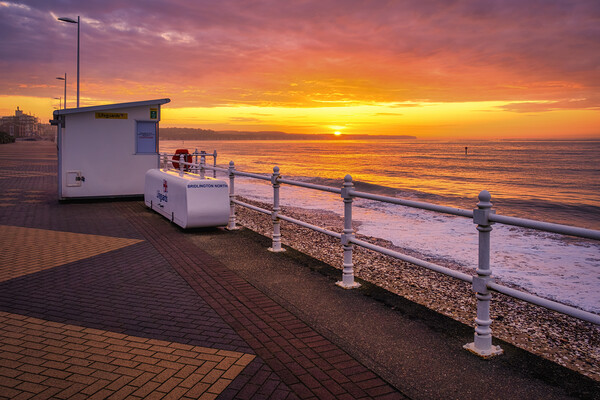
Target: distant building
21,125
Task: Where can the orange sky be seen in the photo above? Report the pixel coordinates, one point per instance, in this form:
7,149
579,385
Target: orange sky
434,69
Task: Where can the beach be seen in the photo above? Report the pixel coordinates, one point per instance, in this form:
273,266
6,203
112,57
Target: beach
567,341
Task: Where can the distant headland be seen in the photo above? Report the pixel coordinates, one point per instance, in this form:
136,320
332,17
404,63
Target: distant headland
209,134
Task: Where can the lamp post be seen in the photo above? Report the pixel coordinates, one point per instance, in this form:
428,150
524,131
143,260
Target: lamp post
59,102
64,79
72,21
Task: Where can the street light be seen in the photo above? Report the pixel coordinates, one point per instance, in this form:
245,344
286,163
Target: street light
72,21
64,79
59,102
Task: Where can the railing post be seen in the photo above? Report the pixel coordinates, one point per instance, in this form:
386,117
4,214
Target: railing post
347,281
482,343
215,163
181,160
275,214
202,163
194,168
231,225
165,162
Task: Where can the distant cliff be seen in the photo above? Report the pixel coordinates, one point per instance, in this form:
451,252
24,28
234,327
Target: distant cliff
208,134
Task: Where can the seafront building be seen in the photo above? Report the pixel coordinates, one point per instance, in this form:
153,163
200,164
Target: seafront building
22,125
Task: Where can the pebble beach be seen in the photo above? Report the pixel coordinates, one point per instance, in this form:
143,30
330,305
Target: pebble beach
564,340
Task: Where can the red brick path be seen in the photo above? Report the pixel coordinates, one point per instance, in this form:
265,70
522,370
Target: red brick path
306,361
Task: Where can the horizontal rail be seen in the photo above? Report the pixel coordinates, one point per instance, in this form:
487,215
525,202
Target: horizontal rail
310,186
251,175
503,219
549,304
188,154
289,219
214,155
250,206
546,226
414,204
214,168
413,260
307,225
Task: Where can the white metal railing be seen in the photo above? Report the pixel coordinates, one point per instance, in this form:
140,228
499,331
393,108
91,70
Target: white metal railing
170,160
483,216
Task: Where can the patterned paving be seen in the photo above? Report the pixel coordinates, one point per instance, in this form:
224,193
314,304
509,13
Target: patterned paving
5,174
93,304
50,359
14,197
88,309
29,250
10,197
309,364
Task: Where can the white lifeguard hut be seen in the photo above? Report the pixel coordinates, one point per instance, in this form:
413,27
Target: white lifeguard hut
105,151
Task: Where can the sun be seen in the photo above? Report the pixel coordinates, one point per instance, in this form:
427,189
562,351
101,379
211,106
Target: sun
337,133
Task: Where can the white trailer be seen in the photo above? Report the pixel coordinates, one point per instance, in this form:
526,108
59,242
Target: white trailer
105,151
187,199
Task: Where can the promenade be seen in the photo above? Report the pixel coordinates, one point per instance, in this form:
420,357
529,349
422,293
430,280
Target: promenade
106,299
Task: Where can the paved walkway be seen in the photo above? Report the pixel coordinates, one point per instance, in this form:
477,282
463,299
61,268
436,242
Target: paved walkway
109,300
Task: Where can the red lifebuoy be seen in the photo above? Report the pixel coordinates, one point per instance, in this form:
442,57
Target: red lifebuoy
186,158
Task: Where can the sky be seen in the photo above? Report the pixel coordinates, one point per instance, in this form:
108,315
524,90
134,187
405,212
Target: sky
477,69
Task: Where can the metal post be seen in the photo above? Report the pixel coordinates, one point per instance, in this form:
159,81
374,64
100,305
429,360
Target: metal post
165,162
231,225
482,344
215,163
275,214
181,160
347,281
196,161
78,25
65,91
60,78
202,163
78,22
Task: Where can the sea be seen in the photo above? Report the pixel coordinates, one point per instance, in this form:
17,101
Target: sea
551,181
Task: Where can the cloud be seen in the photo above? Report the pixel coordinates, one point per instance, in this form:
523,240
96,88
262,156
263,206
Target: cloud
308,53
545,106
8,4
244,119
387,114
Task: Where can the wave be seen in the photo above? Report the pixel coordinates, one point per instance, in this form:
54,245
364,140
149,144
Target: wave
580,215
575,214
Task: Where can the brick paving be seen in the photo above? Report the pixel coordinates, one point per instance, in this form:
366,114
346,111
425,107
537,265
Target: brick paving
108,300
30,250
50,359
307,362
